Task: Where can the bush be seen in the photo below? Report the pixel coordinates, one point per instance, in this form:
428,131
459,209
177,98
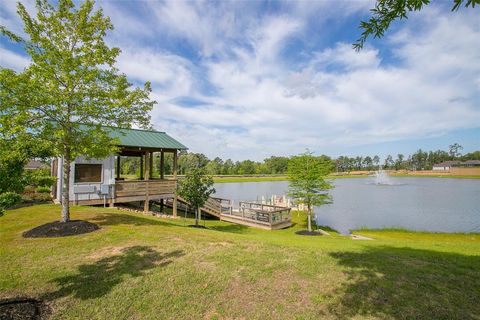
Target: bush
43,189
36,197
9,199
39,178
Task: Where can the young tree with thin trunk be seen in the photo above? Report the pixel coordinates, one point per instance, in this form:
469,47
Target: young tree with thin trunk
71,87
196,188
306,174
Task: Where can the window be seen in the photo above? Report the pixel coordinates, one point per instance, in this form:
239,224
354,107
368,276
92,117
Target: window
88,173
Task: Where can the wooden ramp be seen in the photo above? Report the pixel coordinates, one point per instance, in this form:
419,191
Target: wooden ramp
250,214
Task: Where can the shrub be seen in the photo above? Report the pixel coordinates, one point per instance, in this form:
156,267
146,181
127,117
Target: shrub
9,199
43,189
36,197
39,178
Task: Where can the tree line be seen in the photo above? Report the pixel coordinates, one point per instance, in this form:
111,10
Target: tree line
420,160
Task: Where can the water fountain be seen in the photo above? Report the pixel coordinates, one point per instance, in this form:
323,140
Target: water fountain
382,178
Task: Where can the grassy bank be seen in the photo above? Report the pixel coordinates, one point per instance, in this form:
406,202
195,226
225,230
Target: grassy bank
142,267
445,176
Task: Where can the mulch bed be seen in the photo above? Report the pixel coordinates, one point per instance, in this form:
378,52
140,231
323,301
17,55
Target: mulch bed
308,233
23,309
61,229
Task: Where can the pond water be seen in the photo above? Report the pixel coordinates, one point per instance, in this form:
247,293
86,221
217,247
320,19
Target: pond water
427,204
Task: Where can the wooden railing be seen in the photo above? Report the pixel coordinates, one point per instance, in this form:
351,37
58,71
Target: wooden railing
260,213
139,188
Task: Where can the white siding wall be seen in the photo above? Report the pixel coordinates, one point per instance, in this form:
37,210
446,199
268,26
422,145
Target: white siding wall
88,191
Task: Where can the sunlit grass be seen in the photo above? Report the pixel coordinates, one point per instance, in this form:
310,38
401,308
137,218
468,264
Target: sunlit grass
143,267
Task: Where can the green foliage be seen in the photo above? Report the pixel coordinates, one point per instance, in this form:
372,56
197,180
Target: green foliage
39,178
71,88
387,11
16,149
42,189
454,150
196,188
9,199
306,174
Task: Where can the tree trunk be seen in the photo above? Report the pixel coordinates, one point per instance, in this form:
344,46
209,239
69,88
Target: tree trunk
66,187
197,215
309,219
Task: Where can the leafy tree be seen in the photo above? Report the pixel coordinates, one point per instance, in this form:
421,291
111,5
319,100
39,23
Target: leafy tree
16,148
399,161
71,88
387,11
454,150
306,174
376,160
388,162
195,189
276,165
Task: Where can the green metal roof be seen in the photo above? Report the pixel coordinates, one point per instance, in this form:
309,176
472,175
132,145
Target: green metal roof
145,138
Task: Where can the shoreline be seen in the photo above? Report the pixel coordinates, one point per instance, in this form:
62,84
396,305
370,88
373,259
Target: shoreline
266,178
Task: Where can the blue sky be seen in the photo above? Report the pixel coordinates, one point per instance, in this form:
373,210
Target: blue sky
250,79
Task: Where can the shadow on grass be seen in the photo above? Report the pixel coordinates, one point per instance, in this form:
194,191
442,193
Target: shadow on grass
231,228
99,278
109,219
405,283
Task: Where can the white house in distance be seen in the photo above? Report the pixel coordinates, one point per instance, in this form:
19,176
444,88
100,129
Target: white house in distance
98,181
444,166
448,165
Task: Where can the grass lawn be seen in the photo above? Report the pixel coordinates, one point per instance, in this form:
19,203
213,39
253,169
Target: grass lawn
142,267
432,175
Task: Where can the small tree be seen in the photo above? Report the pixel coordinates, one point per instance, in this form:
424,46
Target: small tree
454,150
71,88
306,174
196,188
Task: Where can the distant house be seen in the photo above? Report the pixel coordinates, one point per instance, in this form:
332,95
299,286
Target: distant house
34,165
98,181
447,165
470,163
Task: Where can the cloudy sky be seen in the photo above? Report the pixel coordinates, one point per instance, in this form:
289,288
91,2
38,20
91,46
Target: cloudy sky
248,79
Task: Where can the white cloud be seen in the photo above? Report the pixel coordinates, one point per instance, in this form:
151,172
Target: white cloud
12,60
249,101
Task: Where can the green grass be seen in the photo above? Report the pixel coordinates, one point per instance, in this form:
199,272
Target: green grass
450,176
143,267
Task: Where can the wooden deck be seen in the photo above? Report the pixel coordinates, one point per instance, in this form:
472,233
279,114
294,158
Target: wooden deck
250,214
269,217
259,215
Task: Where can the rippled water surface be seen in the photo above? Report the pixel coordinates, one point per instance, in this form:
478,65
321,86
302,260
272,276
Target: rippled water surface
441,205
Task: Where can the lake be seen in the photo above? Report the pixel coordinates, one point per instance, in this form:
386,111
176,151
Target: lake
423,204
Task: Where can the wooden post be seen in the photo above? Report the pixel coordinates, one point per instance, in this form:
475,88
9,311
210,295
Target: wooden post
146,207
150,166
141,167
162,165
118,167
162,175
175,178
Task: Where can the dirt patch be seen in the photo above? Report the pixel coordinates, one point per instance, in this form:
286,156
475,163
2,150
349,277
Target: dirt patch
23,309
61,229
220,243
108,251
308,233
